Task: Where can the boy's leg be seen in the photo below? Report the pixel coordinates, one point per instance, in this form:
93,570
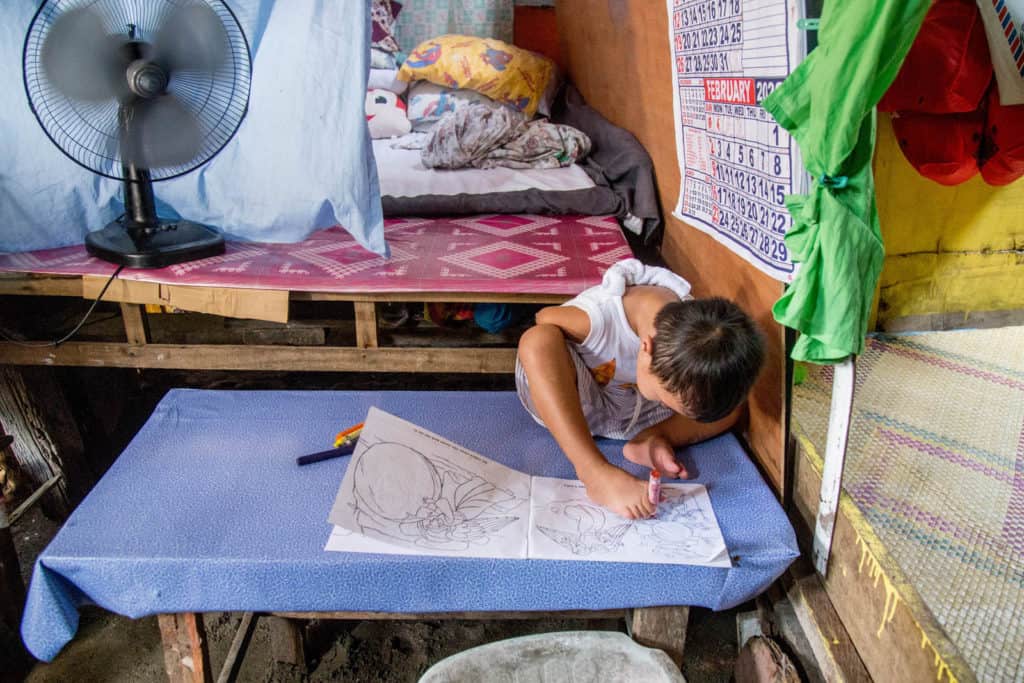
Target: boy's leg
551,374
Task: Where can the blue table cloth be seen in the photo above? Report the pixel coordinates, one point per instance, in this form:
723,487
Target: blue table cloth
206,510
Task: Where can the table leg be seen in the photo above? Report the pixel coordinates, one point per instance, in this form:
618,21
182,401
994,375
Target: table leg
366,324
186,657
286,646
136,324
663,628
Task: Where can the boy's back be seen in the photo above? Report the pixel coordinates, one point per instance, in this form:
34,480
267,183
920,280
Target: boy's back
586,369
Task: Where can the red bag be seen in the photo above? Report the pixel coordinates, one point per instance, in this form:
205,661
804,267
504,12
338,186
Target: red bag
942,147
949,66
1003,148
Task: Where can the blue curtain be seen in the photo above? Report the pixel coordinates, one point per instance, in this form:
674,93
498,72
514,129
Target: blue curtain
421,20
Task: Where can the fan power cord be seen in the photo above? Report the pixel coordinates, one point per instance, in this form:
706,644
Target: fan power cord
69,335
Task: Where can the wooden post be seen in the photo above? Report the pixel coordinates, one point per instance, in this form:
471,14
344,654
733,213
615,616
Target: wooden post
366,324
136,324
843,386
663,628
833,650
186,657
34,411
236,654
286,645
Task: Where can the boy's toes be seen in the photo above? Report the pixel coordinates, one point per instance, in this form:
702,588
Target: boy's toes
666,463
634,452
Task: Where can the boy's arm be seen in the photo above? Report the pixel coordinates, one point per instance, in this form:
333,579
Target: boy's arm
655,446
552,378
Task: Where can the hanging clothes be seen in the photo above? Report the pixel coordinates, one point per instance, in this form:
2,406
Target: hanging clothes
828,105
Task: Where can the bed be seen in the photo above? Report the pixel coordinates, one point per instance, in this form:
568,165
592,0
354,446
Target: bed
480,236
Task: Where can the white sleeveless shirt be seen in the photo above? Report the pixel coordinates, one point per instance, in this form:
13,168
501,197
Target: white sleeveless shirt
611,348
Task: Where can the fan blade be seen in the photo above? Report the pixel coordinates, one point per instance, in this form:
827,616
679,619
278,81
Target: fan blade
161,132
192,37
81,59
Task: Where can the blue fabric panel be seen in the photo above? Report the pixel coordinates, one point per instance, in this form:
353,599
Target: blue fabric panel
422,20
300,161
207,510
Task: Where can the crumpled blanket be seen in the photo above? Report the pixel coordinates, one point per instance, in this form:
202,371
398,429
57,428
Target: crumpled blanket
484,136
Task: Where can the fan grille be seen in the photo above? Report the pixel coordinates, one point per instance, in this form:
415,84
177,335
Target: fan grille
88,132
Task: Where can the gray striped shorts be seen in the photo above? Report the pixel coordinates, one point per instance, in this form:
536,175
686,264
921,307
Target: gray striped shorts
611,414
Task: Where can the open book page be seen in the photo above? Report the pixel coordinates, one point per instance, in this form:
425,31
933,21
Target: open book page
568,526
408,491
414,490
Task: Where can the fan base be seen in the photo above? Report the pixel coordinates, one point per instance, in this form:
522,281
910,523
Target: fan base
167,243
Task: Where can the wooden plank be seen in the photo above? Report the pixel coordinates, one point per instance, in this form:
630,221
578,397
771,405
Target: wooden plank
947,249
231,302
446,297
366,324
286,642
186,657
136,329
290,335
256,357
40,285
663,628
834,651
894,632
236,653
46,438
835,458
26,505
431,616
72,285
617,54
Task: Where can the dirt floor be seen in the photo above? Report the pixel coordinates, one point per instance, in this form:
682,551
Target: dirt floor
112,648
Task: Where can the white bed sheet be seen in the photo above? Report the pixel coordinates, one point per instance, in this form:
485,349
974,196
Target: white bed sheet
402,174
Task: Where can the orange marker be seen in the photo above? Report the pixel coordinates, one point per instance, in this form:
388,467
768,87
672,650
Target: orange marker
654,487
348,435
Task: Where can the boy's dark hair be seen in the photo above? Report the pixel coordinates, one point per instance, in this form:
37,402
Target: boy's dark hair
708,352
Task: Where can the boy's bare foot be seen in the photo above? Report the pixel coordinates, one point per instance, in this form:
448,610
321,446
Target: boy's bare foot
620,492
656,453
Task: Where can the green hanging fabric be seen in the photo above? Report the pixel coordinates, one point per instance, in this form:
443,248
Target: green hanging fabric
828,105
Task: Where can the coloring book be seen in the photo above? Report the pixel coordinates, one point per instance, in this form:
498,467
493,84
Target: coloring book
408,491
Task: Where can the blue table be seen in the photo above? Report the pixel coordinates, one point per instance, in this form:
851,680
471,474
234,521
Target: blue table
206,511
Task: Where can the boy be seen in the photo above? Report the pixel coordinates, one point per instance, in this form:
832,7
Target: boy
636,358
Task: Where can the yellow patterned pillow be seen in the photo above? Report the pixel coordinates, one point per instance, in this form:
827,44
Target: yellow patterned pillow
503,72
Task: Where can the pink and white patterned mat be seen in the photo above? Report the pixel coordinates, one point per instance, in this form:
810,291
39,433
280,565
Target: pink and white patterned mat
485,253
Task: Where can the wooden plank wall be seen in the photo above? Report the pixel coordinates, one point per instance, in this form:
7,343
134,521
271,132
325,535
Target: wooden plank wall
954,255
617,54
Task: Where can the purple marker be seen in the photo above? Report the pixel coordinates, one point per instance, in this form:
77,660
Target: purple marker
654,487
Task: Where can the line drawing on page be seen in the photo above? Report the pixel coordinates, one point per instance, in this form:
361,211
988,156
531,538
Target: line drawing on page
585,528
681,529
447,507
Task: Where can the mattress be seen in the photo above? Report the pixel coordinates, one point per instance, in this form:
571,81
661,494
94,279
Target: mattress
402,174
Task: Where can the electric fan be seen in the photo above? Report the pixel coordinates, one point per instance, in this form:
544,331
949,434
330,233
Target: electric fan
139,91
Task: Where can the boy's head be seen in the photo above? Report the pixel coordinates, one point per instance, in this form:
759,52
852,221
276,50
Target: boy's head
704,356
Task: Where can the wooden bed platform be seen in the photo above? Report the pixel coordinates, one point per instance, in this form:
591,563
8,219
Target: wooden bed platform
478,259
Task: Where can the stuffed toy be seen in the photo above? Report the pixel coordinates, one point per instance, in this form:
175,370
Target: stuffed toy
386,114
